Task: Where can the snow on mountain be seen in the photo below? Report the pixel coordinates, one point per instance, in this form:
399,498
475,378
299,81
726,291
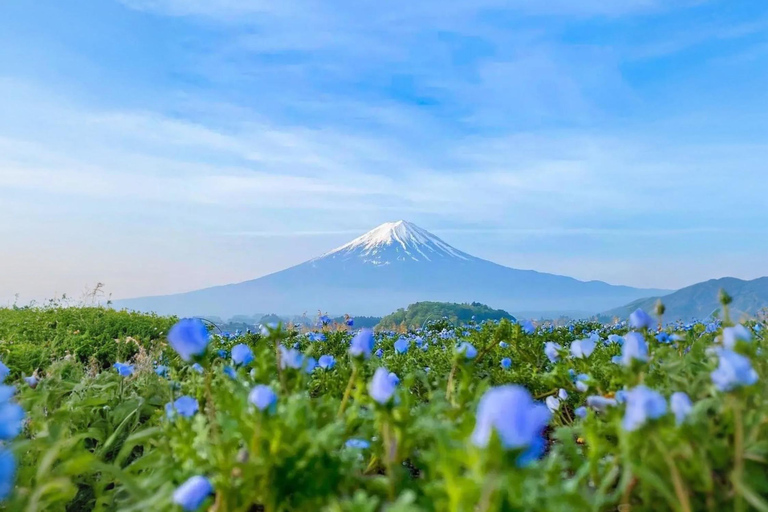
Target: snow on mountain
396,241
392,266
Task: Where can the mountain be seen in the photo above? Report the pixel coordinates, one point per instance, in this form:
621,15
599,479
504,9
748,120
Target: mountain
389,267
700,300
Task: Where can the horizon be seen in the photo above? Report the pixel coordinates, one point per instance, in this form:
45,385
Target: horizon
159,146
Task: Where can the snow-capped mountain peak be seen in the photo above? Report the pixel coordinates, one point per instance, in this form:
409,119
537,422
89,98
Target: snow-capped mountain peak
397,241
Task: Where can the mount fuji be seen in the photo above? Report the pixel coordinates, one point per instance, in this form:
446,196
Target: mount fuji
394,265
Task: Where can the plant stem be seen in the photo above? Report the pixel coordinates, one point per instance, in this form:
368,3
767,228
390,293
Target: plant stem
677,481
347,392
738,448
449,387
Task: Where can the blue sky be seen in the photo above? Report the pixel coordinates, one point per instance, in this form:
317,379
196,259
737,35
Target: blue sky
165,145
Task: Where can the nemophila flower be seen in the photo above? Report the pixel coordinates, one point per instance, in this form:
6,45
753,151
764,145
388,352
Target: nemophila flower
230,372
357,444
634,348
325,320
681,406
582,348
466,349
197,367
161,370
7,472
31,381
394,378
310,363
4,372
262,397
663,337
402,345
382,387
326,362
362,344
528,327
734,370
643,404
552,351
506,363
581,382
192,493
639,319
290,358
350,322
242,354
600,403
185,406
581,412
379,353
11,418
615,338
552,403
733,334
616,359
189,337
503,344
316,336
124,369
562,394
221,353
517,419
621,396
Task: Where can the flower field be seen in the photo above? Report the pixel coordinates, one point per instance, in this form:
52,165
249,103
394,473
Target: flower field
104,410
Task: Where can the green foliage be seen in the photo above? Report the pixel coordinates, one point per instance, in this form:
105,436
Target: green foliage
443,313
95,441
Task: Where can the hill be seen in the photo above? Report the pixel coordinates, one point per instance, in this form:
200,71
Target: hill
419,313
700,300
395,264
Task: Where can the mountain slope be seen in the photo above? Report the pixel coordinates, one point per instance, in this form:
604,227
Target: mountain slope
700,300
389,267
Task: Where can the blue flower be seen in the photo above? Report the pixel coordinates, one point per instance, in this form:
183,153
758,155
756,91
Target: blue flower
350,322
11,418
581,382
615,338
663,337
581,412
316,336
552,403
582,348
381,388
469,351
600,403
262,397
310,363
528,327
634,348
242,354
562,394
643,404
402,345
7,473
506,363
197,368
516,418
161,370
357,444
4,372
221,353
681,406
733,371
621,396
639,319
503,344
362,344
192,493
290,358
733,334
394,378
123,369
185,406
379,353
31,381
189,337
552,351
326,362
230,372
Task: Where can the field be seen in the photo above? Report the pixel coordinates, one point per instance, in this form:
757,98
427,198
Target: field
135,412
